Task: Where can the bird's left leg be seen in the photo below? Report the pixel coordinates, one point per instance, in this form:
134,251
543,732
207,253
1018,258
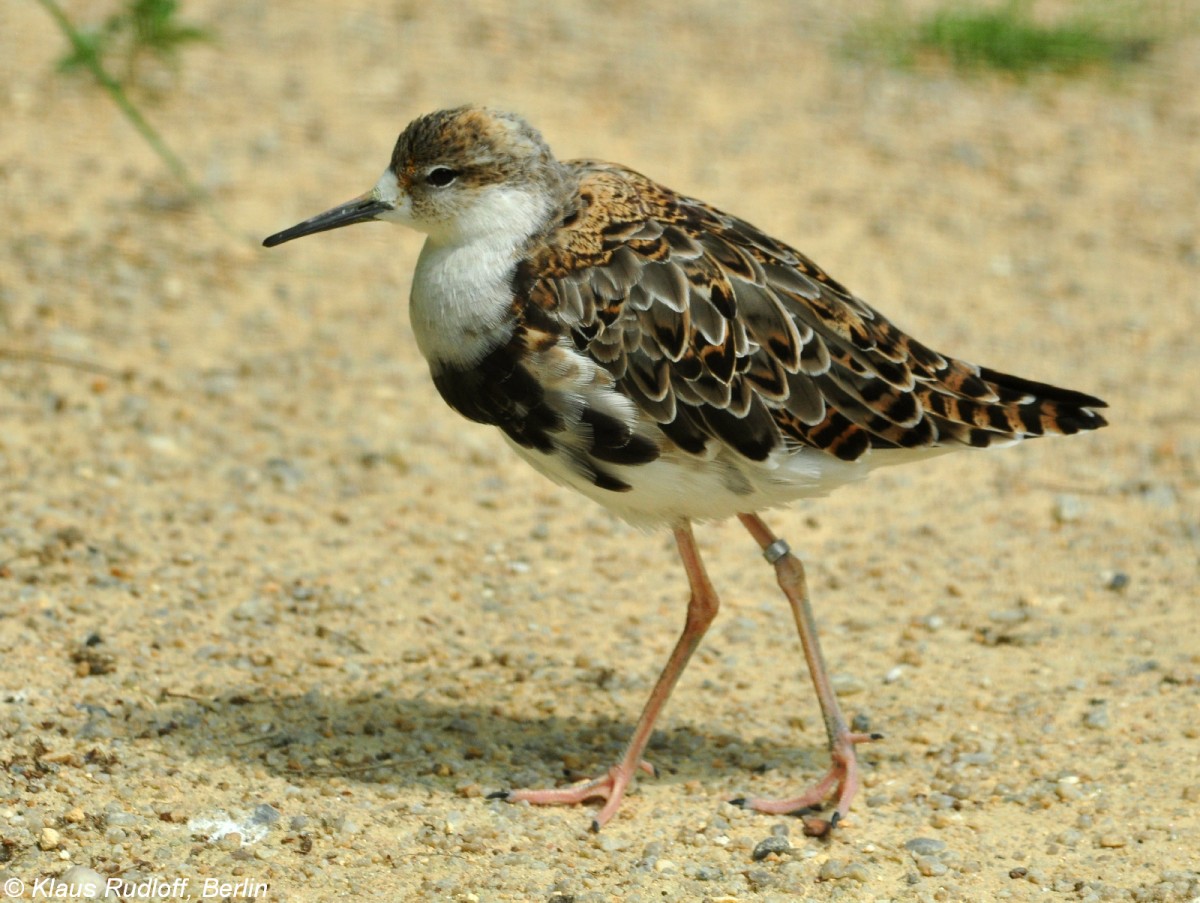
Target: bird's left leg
842,776
610,786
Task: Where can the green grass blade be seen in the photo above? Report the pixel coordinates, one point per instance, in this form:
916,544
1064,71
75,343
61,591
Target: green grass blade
84,54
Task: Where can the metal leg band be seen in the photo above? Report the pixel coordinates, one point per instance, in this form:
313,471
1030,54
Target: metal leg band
776,550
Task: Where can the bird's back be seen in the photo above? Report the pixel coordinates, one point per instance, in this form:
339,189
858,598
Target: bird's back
720,334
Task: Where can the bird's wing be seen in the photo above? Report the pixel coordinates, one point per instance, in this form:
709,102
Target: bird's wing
719,332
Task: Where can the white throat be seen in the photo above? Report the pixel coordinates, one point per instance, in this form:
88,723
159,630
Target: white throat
462,287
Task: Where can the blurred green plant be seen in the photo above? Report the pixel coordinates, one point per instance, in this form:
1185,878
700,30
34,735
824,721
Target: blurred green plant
1010,40
1007,38
151,28
140,29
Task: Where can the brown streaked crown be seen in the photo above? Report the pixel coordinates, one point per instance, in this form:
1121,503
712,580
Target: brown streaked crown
482,146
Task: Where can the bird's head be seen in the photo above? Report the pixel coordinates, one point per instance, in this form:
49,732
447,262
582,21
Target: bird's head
456,175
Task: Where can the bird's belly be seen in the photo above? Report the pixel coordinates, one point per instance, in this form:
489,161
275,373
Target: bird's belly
679,487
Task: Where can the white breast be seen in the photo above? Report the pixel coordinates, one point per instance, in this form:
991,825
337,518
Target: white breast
462,287
460,297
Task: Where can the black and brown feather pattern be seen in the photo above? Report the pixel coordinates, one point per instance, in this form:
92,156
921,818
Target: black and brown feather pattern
672,363
718,332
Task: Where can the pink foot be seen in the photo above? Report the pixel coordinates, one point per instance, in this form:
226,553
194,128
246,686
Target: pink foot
609,787
842,776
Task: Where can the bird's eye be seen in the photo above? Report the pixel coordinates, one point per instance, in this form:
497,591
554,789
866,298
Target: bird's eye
440,176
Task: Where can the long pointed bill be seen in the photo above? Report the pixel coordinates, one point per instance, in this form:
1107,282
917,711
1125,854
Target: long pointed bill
362,209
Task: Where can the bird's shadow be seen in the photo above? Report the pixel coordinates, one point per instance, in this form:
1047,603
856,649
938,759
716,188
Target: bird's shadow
455,749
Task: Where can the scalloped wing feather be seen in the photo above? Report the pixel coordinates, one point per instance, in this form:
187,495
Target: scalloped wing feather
718,332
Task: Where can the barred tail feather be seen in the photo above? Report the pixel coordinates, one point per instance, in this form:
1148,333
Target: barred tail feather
1042,408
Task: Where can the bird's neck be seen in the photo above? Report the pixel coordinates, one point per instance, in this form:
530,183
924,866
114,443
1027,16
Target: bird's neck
461,297
462,289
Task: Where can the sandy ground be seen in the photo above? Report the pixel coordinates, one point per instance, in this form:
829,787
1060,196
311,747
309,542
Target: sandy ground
255,573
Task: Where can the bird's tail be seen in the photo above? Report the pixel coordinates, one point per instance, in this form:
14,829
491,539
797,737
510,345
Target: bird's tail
1007,409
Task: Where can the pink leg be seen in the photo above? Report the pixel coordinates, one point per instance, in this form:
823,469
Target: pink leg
702,609
842,776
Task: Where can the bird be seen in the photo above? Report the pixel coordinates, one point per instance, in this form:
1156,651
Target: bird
675,364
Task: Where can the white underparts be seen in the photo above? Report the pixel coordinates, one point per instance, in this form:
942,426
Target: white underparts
460,298
462,287
680,486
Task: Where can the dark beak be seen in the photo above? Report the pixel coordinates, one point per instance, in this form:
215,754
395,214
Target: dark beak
362,209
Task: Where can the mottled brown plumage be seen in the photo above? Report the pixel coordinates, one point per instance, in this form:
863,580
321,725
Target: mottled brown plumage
719,332
671,362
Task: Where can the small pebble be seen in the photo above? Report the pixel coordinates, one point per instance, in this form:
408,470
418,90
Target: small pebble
978,758
1097,717
959,791
1008,615
611,843
1036,876
49,839
84,883
932,623
265,814
1069,508
925,846
773,844
857,871
1069,837
847,684
941,801
930,867
760,878
832,870
1068,792
945,818
115,816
